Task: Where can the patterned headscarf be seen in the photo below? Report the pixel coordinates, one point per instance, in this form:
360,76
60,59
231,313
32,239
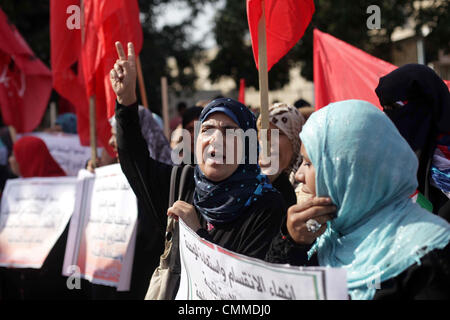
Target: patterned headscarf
363,164
157,144
224,201
290,121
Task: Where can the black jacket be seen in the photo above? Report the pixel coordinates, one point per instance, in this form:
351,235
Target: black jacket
286,189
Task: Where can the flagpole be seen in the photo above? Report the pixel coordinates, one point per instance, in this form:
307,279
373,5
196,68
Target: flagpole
165,107
13,134
92,106
141,82
93,130
263,82
52,113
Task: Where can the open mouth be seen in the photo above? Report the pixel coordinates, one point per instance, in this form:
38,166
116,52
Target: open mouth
215,157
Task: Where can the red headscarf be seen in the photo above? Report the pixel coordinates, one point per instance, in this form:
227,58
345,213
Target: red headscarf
34,159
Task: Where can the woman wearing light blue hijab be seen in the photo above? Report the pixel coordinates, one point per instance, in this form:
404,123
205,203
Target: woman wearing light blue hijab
361,162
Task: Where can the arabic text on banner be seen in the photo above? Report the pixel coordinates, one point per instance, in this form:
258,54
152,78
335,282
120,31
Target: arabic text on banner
210,272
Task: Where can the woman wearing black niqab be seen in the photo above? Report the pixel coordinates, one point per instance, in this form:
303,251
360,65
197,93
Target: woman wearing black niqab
416,99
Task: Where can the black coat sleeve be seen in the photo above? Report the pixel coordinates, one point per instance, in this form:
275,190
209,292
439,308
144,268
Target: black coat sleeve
283,249
264,224
428,281
149,179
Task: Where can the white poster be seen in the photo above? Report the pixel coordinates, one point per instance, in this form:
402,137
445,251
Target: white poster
34,213
103,230
210,272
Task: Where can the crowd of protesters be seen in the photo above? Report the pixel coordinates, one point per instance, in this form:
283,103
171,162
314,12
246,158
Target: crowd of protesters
339,196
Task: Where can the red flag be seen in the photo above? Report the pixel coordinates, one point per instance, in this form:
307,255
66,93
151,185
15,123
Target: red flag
67,71
65,61
106,24
242,91
286,22
25,82
447,82
81,66
343,72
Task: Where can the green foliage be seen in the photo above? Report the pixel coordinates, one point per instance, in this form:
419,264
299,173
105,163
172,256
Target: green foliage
344,19
32,19
171,41
235,55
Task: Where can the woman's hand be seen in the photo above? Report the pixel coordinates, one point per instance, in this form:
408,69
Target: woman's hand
186,212
123,75
90,165
319,209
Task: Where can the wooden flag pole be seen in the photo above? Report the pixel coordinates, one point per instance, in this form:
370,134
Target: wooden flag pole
93,130
141,82
92,106
52,113
165,107
12,133
263,82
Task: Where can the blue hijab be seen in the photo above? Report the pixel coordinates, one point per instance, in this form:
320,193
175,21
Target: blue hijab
68,122
224,201
368,170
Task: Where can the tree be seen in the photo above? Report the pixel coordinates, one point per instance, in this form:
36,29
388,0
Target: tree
346,20
235,56
171,41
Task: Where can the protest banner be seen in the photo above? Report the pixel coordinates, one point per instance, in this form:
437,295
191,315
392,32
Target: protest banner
66,150
34,213
102,231
209,272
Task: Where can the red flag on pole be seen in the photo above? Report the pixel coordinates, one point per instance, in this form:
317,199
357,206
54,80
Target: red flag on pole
65,57
81,66
106,23
25,82
242,91
286,22
343,72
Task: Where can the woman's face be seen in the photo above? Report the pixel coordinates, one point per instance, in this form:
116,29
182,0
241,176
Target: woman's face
212,148
306,174
283,152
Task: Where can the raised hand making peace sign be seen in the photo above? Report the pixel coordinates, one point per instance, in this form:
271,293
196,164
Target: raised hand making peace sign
123,75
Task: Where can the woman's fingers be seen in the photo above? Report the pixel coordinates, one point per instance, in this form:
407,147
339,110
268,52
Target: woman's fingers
120,51
125,66
131,53
311,211
119,70
318,211
186,212
316,201
179,208
113,75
